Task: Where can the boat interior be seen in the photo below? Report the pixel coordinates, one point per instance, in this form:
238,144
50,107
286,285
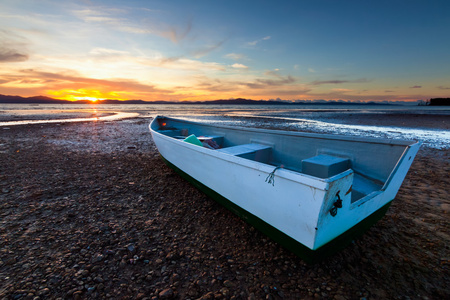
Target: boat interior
318,155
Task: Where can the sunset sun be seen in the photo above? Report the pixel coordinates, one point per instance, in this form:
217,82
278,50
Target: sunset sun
92,99
84,94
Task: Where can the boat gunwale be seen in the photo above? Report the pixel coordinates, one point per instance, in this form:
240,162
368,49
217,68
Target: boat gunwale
370,140
320,183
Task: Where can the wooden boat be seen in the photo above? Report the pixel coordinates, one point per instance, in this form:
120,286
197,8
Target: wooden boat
312,193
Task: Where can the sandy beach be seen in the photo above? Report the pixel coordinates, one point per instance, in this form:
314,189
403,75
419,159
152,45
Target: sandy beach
90,211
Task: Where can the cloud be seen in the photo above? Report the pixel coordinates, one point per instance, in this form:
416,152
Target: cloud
278,80
273,72
179,63
103,15
342,90
245,86
157,60
116,18
176,35
265,83
189,64
282,81
253,43
416,87
12,47
234,56
320,82
213,85
73,81
70,85
107,17
239,66
121,20
107,52
11,55
443,88
292,92
202,52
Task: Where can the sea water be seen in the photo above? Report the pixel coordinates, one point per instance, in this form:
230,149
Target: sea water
285,117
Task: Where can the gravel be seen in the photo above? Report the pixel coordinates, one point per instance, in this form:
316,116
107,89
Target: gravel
90,211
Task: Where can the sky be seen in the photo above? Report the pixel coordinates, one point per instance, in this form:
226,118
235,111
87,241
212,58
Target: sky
395,50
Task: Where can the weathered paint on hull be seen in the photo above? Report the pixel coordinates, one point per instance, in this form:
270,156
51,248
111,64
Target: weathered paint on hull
310,256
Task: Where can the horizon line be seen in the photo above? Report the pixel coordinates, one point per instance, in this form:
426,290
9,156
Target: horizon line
43,99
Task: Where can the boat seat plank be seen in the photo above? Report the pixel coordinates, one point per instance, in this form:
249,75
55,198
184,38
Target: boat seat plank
251,151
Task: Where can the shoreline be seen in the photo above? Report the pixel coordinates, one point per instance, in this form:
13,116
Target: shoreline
407,118
89,210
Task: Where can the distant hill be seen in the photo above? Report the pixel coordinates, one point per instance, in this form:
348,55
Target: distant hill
31,100
238,101
48,100
241,101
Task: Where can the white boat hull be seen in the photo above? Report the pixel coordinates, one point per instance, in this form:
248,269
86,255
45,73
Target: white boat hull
296,206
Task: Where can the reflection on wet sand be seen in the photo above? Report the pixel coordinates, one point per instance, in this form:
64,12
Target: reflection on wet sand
115,116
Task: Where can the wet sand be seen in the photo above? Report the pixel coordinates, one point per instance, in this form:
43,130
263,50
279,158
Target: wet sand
48,115
89,210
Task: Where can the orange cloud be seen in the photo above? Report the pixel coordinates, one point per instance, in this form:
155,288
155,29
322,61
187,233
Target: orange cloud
73,87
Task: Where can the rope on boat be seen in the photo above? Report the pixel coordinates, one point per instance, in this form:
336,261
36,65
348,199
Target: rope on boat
337,204
271,178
